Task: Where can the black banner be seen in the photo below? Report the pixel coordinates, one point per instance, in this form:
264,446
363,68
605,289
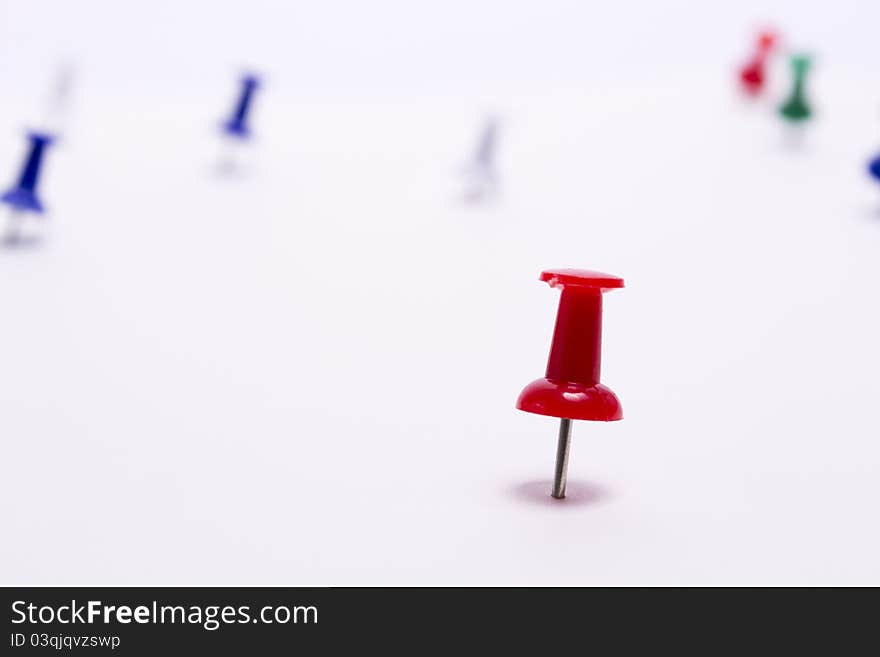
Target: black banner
224,620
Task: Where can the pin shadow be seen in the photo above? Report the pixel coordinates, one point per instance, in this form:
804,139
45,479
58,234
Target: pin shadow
21,242
577,494
871,213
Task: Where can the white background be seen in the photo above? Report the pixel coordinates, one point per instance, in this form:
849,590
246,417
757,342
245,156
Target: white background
306,374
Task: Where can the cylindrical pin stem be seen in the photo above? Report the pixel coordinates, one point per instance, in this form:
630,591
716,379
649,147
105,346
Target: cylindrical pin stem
575,355
560,475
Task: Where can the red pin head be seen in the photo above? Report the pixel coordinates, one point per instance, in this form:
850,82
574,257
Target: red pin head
752,74
570,389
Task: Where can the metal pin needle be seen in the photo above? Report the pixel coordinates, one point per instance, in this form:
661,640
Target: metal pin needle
13,228
560,475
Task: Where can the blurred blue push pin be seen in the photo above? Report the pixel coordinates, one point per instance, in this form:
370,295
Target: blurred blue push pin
23,197
485,156
237,124
481,175
874,168
237,128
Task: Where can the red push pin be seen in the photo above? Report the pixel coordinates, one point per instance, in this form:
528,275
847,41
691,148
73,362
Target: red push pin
571,389
752,74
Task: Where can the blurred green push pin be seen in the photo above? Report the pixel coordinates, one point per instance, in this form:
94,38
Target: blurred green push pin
796,108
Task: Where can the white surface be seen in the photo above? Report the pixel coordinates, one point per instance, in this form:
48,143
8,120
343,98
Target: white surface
306,375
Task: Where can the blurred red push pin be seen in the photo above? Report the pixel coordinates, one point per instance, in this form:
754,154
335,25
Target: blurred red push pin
752,74
571,389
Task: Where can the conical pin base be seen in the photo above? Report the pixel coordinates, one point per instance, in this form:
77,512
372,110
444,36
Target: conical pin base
795,110
23,200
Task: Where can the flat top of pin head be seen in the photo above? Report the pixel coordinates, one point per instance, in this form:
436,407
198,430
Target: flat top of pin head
44,137
767,39
581,278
